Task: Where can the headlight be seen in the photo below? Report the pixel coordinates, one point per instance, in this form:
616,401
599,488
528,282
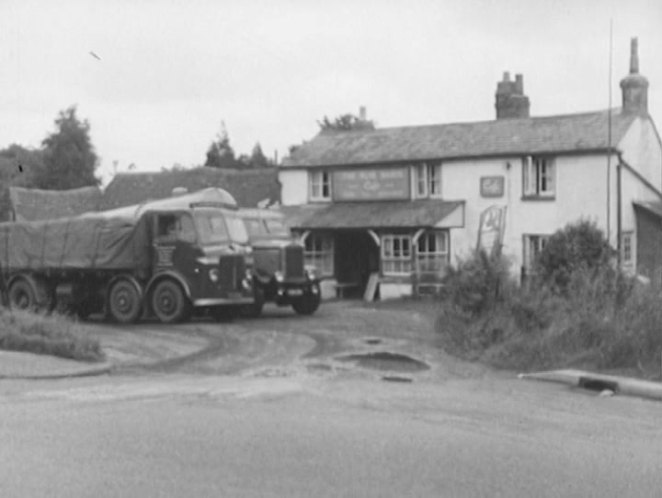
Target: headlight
279,276
213,275
311,272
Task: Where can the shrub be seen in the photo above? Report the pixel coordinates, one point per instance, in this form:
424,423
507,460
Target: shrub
477,282
52,335
579,246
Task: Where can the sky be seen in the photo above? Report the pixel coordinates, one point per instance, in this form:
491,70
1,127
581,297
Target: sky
156,79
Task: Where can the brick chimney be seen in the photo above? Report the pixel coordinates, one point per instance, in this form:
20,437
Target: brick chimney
510,99
634,86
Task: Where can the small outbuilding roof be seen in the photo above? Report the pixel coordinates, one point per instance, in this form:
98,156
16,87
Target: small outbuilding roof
554,134
248,187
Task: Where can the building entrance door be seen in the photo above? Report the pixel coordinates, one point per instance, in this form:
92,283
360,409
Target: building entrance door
357,256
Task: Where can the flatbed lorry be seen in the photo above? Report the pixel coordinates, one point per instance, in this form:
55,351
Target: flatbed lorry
166,258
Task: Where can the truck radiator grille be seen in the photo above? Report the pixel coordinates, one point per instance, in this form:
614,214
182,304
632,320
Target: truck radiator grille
233,270
294,262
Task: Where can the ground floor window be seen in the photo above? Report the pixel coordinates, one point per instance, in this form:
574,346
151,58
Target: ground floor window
627,248
432,252
533,246
318,252
396,254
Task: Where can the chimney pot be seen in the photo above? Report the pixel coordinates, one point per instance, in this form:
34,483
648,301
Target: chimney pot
519,84
362,113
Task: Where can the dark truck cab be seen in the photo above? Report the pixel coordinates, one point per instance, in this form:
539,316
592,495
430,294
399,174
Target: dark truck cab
167,258
279,272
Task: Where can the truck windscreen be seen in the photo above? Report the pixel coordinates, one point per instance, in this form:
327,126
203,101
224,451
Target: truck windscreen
220,227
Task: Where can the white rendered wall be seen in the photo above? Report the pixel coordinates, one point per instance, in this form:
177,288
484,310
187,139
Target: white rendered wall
294,186
581,193
642,150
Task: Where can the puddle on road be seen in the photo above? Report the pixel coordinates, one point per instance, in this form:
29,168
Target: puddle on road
384,360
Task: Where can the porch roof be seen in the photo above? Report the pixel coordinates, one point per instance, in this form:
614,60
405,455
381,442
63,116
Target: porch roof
652,207
367,215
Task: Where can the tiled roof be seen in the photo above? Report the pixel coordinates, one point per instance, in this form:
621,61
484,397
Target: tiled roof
554,134
34,204
248,187
401,214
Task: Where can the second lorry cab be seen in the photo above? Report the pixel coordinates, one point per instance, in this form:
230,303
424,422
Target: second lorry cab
280,274
166,258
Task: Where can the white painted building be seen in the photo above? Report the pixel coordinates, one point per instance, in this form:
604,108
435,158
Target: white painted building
402,203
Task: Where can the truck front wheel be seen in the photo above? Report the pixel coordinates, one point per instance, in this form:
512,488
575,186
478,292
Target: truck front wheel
124,302
169,303
308,303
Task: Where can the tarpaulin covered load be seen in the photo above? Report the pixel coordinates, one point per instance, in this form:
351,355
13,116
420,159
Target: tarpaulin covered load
86,242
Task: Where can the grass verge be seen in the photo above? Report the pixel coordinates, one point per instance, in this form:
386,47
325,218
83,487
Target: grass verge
52,335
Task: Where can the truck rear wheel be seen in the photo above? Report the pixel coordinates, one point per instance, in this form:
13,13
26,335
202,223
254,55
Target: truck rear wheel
124,301
28,294
169,303
22,296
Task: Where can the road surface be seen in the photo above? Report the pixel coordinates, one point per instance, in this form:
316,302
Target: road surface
270,408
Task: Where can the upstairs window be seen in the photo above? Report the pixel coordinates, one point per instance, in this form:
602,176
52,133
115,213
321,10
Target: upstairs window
539,177
319,185
427,180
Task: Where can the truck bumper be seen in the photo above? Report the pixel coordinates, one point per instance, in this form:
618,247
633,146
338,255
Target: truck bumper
220,301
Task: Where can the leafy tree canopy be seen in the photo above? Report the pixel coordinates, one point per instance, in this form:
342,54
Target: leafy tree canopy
221,155
68,155
345,122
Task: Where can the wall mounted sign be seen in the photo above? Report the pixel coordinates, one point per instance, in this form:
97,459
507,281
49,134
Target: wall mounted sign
491,186
371,184
491,228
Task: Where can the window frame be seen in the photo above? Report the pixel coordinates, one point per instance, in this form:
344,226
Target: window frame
319,251
318,182
441,252
627,248
528,256
396,262
427,180
538,173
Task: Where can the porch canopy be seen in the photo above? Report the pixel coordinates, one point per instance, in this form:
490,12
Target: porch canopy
370,215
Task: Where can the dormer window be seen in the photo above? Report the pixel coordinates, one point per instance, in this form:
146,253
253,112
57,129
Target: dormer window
319,185
427,180
539,177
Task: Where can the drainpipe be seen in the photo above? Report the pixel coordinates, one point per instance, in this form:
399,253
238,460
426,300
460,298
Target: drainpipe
619,209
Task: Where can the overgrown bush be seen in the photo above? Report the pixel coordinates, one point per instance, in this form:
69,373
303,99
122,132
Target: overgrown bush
586,315
51,335
579,246
477,282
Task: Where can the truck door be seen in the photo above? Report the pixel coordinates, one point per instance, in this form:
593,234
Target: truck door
173,242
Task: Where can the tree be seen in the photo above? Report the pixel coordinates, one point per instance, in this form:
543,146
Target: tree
68,155
220,154
18,167
258,159
345,122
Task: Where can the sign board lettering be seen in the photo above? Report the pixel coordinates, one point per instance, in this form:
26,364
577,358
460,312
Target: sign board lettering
491,186
371,184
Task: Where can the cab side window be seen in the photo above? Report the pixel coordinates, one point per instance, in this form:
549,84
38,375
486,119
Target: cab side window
172,227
